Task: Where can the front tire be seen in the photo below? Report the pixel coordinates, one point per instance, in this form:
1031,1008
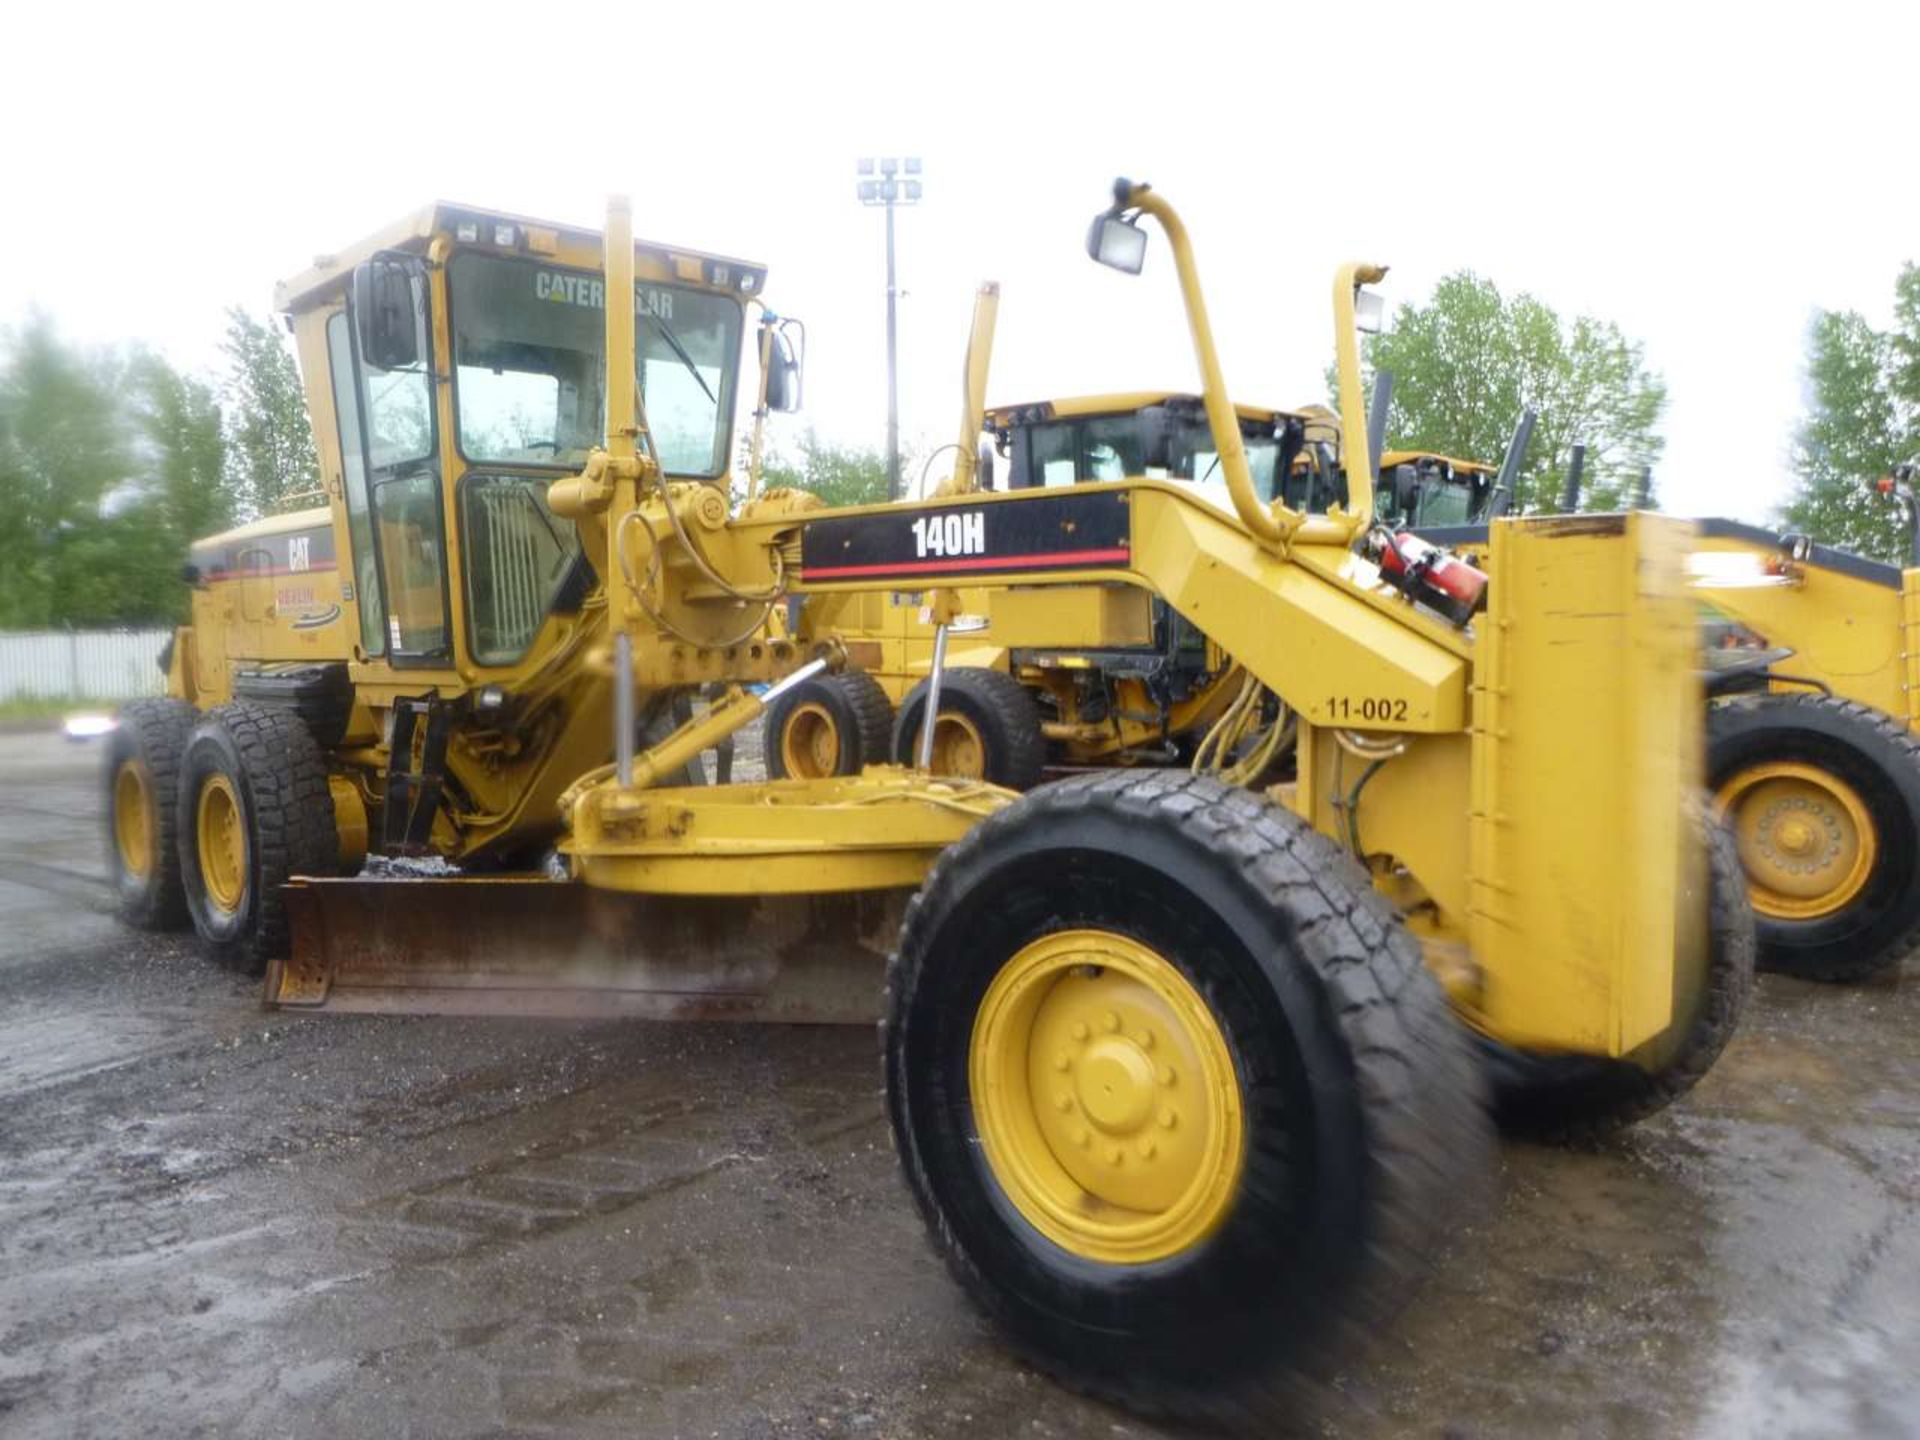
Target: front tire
142,775
1823,796
1269,1112
1578,1098
254,811
988,729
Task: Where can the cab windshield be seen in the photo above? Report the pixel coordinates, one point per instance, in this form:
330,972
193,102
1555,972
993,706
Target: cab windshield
1445,503
529,347
1147,444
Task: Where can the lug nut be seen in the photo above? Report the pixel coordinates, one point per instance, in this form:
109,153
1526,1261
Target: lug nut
1168,1118
1079,1031
1110,1022
1166,1075
1115,1155
1147,1148
1063,1103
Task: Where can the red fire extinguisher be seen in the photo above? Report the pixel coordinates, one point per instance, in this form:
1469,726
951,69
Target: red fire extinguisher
1429,575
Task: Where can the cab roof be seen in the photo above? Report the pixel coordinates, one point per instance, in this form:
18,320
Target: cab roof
1408,457
505,233
1001,417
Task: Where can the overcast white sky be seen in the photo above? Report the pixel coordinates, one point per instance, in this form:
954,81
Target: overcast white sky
1705,177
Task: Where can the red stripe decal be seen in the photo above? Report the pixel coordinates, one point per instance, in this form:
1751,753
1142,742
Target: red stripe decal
983,562
277,572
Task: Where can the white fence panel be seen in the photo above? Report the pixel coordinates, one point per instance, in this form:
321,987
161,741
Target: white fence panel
81,664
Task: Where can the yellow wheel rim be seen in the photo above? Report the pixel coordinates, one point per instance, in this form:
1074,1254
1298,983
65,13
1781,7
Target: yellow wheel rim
133,818
810,744
223,843
1105,1098
958,748
1807,841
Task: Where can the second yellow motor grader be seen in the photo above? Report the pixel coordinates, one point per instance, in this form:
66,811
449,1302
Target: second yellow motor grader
1170,1065
1811,662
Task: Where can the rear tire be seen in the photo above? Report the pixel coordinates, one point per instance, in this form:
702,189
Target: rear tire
1846,778
1359,1109
831,725
254,811
142,775
1577,1098
989,729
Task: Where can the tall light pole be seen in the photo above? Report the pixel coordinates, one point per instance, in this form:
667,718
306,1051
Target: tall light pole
890,190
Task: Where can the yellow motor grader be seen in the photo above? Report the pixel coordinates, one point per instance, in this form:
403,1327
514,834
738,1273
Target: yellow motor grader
1053,679
1183,1078
1811,658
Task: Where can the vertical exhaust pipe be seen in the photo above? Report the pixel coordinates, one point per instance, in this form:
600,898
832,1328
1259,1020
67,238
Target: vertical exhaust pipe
1570,492
1505,483
1377,421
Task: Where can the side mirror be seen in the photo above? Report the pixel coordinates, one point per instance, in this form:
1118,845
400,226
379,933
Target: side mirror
984,461
1116,243
386,312
783,372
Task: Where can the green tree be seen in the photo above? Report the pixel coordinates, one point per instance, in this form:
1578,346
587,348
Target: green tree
1466,363
62,453
187,467
1863,417
269,440
838,474
109,467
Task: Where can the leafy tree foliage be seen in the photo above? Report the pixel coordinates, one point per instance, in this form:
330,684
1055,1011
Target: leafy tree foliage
1466,363
838,474
1863,417
270,451
109,466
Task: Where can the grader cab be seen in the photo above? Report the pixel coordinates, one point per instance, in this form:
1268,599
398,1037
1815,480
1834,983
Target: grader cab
1169,1063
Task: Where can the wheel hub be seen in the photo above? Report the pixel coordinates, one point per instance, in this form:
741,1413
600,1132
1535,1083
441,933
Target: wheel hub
133,818
1115,1086
810,745
222,843
1106,1098
1807,841
958,749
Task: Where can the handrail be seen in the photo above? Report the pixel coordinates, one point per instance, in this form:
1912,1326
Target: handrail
1356,457
1278,524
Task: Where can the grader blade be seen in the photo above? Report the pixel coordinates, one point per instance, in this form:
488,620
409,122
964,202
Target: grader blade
525,945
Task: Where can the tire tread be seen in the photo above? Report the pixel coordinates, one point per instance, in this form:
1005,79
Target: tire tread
1422,1097
1834,964
159,727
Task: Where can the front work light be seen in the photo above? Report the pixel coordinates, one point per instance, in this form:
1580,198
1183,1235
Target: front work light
1117,243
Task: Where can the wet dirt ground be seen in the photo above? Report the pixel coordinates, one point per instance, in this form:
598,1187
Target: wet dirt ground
218,1221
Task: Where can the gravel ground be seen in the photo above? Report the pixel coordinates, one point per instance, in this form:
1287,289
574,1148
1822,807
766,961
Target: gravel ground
218,1221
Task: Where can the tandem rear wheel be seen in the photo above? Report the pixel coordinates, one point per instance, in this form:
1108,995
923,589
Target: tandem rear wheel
1179,1102
831,725
252,809
1823,798
142,774
988,729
